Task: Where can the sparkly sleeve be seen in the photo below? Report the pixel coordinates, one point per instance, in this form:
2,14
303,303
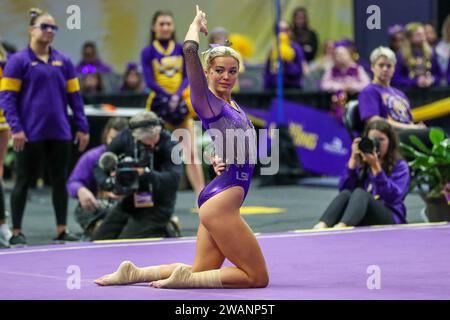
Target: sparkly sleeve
205,103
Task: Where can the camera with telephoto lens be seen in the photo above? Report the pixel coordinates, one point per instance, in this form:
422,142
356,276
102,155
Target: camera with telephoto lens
126,178
367,145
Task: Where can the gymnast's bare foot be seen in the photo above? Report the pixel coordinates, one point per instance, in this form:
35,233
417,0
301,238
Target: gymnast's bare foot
125,274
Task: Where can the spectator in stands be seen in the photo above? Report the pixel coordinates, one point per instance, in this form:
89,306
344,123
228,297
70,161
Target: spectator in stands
397,37
165,75
417,64
443,51
36,111
91,60
91,83
218,36
346,74
351,46
144,212
5,232
319,66
325,61
293,61
380,100
431,34
132,79
93,205
303,35
374,185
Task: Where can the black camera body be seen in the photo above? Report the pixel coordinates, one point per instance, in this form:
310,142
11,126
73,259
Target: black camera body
126,178
367,145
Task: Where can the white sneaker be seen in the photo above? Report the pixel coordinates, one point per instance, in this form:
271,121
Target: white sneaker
5,234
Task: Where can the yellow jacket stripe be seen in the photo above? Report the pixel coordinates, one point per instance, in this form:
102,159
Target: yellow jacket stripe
73,85
10,84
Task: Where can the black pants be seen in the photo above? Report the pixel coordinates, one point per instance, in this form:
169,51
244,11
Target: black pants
139,224
56,154
357,208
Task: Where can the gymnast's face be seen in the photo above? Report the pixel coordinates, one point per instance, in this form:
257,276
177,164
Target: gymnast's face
223,74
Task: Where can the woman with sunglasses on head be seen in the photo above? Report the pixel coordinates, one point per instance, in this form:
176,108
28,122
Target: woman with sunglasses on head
222,233
38,84
165,75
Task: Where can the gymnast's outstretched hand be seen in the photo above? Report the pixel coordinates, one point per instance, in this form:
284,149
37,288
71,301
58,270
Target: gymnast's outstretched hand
200,21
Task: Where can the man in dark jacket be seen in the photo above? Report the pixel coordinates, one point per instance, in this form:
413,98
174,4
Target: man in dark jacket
144,212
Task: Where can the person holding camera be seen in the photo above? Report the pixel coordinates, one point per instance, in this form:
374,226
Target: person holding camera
137,167
93,205
375,182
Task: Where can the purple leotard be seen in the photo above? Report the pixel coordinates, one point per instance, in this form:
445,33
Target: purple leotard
220,118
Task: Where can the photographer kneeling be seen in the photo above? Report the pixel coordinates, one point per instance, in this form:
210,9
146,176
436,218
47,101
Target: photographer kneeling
375,183
93,205
138,167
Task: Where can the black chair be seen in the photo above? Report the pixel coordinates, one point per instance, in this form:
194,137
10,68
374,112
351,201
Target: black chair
352,120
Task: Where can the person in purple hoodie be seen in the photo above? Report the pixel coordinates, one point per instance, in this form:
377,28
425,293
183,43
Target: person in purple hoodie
83,186
374,185
417,62
38,84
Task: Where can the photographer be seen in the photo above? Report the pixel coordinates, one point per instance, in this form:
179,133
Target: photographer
92,206
375,183
138,167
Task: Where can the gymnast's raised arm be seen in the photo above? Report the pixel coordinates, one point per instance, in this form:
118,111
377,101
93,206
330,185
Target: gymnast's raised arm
205,104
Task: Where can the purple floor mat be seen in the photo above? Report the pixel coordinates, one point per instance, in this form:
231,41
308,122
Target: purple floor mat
413,263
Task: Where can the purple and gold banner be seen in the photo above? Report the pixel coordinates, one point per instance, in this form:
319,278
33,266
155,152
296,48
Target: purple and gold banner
323,144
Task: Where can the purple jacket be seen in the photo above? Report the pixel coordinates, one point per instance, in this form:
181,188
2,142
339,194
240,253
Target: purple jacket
35,96
292,71
83,173
391,190
403,77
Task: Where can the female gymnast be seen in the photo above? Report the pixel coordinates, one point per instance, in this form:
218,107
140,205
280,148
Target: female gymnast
222,232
